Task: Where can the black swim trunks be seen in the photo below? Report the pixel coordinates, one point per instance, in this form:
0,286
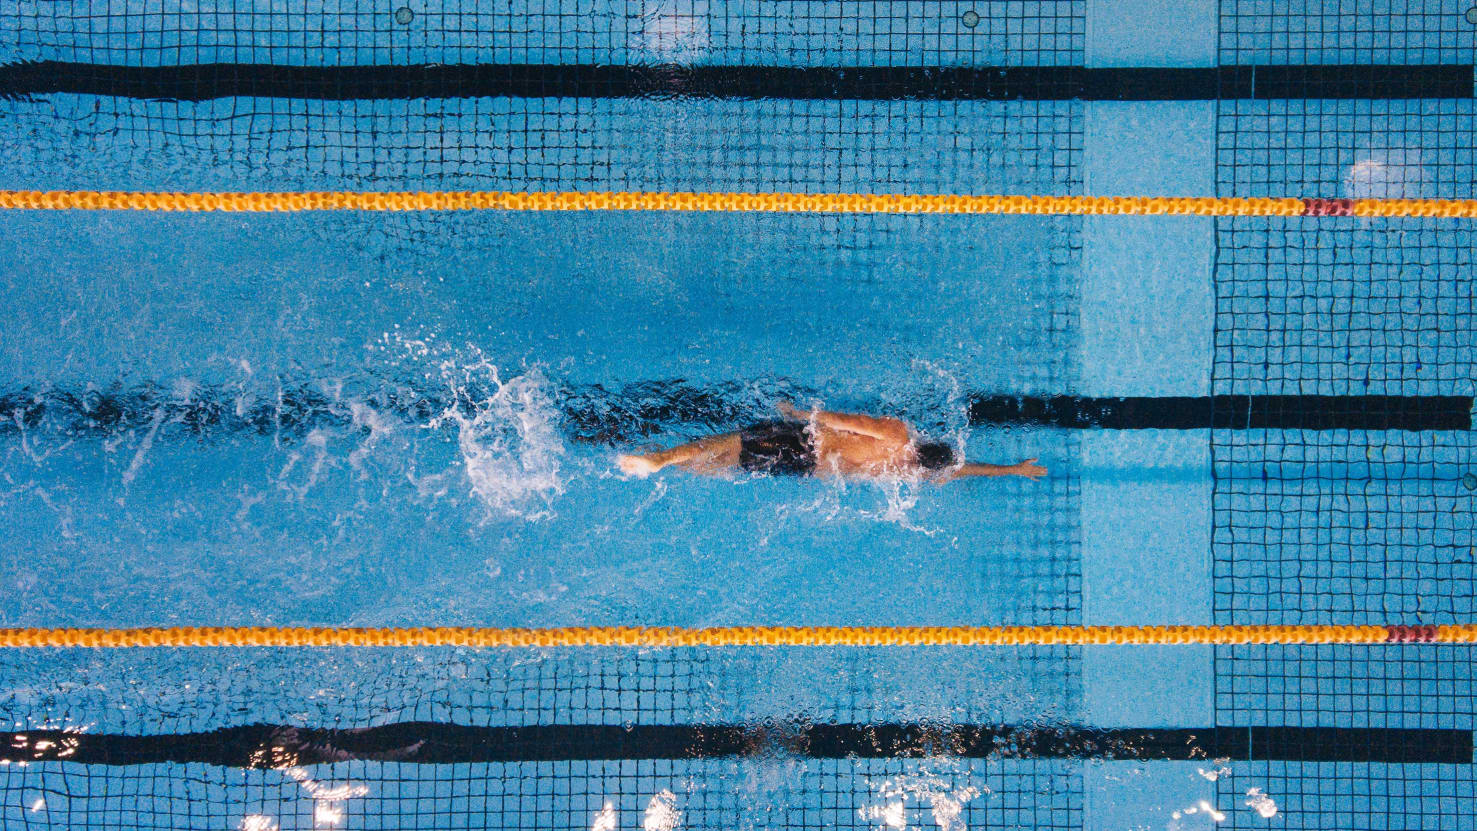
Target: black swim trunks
781,448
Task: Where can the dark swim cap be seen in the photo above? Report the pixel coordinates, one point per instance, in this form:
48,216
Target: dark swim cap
935,455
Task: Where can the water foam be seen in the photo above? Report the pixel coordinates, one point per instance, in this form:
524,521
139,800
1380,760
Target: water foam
661,812
1216,772
316,447
945,803
144,446
1258,801
377,426
605,820
1202,807
507,437
894,498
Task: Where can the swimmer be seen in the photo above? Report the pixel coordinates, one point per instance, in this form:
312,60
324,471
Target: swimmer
822,443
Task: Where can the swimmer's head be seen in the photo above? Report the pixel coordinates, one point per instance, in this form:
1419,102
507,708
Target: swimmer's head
935,455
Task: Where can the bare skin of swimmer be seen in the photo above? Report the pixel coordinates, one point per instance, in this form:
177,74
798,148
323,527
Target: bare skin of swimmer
846,444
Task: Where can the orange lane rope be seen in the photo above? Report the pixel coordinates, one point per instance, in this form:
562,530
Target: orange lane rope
731,202
632,636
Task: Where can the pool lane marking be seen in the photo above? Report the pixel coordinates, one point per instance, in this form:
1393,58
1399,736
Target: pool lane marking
439,743
1228,412
656,636
833,203
591,415
211,81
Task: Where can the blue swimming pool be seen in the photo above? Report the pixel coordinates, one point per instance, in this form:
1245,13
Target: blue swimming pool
363,419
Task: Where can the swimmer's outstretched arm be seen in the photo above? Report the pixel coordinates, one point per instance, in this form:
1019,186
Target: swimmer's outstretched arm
1028,469
886,429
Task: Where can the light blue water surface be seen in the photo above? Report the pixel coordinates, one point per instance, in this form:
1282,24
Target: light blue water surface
517,523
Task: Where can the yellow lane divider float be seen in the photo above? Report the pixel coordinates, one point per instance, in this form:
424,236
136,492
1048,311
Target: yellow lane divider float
92,200
631,636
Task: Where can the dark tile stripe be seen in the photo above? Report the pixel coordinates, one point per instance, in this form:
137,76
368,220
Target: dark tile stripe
199,82
435,743
1230,412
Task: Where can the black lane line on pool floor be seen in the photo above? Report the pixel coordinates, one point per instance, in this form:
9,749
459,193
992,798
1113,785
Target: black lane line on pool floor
199,82
268,746
1229,412
593,414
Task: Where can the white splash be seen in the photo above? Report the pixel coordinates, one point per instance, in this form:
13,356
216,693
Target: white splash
948,807
247,500
1215,773
1386,174
658,490
34,453
316,442
892,814
257,822
661,812
897,494
508,438
327,813
605,820
328,800
367,418
38,806
1201,807
945,803
1261,803
143,448
901,496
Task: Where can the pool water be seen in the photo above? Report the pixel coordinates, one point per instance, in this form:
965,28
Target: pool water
423,405
410,419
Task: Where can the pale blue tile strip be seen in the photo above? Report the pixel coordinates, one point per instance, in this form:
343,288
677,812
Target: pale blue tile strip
1152,33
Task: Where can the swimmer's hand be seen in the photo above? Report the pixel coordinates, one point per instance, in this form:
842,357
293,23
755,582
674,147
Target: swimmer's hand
1029,469
636,465
788,411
